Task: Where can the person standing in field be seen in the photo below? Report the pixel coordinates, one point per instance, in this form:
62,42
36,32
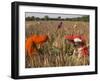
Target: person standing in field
59,28
58,41
60,25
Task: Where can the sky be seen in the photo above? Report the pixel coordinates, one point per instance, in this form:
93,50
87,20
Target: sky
51,15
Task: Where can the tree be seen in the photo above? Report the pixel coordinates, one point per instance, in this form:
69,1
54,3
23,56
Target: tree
37,18
32,18
59,17
46,17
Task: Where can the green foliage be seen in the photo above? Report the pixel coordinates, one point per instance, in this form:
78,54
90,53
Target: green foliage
83,18
46,17
59,17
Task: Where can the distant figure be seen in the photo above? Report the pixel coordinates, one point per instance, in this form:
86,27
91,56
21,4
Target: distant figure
60,25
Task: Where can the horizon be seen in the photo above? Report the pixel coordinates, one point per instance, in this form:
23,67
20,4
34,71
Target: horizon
52,15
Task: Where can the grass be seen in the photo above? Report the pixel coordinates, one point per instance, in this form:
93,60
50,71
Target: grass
56,51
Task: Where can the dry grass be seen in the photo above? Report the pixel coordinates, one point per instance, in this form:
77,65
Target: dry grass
56,51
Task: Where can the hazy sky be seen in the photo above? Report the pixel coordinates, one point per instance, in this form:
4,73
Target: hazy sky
51,15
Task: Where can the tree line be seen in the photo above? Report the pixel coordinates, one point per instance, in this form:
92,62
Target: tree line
33,18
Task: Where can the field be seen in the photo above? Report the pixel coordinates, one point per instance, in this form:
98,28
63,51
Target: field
57,51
